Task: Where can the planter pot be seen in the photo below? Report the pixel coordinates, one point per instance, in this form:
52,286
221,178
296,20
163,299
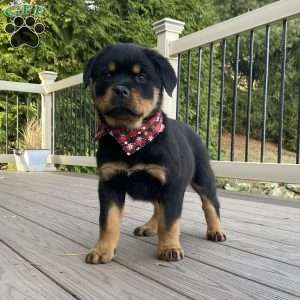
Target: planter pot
31,160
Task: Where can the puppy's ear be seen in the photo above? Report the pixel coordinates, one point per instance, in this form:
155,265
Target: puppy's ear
164,69
88,70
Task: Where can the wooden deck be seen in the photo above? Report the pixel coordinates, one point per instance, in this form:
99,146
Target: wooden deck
49,221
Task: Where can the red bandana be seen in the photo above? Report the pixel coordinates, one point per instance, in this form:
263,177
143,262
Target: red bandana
135,139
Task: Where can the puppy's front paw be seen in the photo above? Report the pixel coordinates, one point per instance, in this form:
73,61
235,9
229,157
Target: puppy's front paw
99,256
145,231
216,235
171,254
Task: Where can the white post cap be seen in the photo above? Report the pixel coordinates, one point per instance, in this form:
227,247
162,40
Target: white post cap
168,24
47,77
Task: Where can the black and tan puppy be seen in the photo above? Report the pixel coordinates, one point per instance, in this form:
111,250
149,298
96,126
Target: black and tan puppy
144,153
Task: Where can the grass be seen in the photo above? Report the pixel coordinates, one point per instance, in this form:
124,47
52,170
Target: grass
32,135
270,154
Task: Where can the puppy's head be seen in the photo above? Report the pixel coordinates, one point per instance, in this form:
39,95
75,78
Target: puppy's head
127,82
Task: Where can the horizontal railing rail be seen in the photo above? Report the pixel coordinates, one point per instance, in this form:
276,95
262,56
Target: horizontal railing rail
21,87
268,14
65,83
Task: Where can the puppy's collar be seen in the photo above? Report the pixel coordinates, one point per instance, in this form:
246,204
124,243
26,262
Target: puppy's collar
133,140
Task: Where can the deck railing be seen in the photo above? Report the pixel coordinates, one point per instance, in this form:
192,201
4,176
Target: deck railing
208,64
16,109
235,71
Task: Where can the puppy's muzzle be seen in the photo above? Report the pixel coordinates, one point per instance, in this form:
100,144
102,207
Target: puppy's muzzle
121,105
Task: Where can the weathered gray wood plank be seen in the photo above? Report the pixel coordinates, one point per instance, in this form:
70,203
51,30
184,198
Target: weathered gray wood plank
255,212
238,262
250,225
241,241
89,185
20,280
273,247
195,279
54,256
253,230
238,226
269,272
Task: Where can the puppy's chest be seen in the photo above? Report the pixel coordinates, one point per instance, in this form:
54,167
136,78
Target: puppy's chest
109,170
141,180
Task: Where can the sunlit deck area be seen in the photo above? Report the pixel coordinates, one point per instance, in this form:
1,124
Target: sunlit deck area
49,221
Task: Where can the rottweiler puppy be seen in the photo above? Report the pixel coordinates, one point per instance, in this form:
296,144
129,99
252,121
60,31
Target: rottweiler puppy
144,153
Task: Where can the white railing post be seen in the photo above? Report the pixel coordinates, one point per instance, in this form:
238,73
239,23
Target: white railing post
168,30
47,78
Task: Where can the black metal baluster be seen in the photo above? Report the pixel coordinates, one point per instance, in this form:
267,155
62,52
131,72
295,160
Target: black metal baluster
250,87
265,96
62,119
84,107
69,146
90,126
187,108
67,141
221,108
53,123
18,144
70,150
235,95
62,129
198,89
65,118
27,106
282,88
95,129
74,99
6,124
56,122
81,122
211,65
38,109
178,86
298,127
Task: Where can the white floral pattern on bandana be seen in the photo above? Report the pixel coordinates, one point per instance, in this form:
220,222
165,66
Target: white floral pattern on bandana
135,139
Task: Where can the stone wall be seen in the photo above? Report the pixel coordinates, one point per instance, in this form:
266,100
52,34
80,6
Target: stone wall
290,191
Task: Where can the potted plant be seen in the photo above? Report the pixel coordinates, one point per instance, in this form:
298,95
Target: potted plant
32,158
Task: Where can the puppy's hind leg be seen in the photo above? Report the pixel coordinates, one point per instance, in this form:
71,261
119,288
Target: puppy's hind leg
204,184
151,227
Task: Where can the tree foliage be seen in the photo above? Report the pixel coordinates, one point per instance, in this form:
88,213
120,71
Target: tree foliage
76,29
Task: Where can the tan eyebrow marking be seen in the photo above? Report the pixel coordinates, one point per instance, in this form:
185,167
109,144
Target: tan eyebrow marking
112,67
136,69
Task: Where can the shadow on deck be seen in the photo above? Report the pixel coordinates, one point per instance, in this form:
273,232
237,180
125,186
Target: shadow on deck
48,221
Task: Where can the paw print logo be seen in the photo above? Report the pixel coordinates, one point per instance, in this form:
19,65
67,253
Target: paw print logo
24,31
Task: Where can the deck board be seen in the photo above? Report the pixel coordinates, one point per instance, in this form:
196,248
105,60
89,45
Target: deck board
240,240
252,267
20,280
66,218
62,259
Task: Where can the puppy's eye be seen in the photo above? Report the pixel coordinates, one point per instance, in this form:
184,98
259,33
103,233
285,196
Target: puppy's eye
141,78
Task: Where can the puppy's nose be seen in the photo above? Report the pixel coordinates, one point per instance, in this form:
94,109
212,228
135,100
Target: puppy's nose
122,91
